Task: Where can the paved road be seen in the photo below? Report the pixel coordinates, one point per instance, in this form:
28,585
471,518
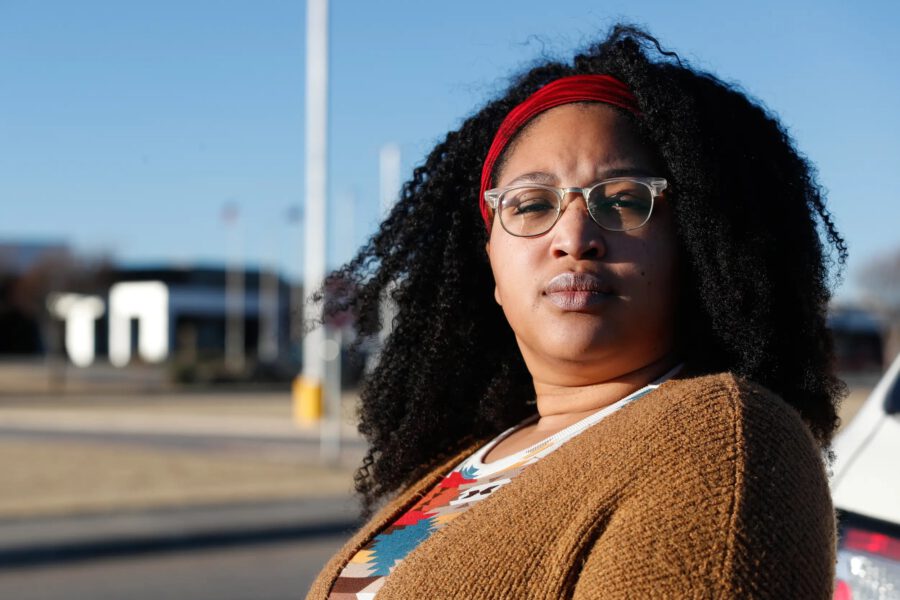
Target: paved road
264,550
264,571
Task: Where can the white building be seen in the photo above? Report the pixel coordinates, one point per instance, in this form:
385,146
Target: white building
154,315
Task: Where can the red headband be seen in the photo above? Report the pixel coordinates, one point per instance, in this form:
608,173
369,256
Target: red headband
577,88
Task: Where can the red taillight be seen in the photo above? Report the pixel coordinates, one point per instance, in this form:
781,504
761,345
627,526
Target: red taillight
842,591
878,544
868,565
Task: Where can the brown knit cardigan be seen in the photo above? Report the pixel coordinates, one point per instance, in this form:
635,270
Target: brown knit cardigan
709,487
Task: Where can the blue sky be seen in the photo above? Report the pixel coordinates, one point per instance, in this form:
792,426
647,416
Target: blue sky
127,126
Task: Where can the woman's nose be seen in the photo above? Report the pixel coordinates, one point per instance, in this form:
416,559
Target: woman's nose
576,234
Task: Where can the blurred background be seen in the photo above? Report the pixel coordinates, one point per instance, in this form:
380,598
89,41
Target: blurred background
156,189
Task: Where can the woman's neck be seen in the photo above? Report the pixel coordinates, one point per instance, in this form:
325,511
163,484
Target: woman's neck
559,405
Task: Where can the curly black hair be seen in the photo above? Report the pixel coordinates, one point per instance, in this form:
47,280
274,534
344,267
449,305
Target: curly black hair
758,250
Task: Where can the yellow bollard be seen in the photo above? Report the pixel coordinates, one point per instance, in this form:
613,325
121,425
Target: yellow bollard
307,396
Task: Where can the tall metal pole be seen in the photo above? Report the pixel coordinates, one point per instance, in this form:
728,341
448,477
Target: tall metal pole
389,184
308,387
330,431
294,216
389,176
269,288
234,294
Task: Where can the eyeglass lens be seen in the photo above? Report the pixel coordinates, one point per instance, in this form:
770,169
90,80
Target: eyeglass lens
617,206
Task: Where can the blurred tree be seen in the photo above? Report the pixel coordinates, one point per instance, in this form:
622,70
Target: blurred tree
25,321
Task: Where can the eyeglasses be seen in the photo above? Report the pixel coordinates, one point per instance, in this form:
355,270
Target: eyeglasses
617,204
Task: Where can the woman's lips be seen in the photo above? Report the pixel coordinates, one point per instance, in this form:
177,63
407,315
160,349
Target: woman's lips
578,291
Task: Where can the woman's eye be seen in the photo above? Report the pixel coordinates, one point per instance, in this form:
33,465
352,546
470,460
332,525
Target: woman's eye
622,201
533,206
531,202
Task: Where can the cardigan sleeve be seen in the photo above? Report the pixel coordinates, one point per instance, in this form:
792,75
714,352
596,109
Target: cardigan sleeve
741,511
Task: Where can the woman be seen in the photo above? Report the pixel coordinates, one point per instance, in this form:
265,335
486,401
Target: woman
609,374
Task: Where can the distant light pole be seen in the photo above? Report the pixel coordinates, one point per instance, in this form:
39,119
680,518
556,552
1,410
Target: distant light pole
234,292
389,187
389,177
268,310
308,386
294,217
346,202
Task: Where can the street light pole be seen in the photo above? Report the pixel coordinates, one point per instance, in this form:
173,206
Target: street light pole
308,386
389,184
234,293
267,310
389,177
294,216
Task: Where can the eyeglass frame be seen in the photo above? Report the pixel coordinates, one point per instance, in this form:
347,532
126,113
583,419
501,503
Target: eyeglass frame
656,185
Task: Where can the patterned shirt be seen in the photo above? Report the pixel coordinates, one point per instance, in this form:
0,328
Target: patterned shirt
468,483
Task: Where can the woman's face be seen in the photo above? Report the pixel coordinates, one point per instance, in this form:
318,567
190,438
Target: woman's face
575,337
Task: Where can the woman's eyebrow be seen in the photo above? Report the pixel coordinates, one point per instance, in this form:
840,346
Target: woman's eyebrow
534,177
602,173
624,172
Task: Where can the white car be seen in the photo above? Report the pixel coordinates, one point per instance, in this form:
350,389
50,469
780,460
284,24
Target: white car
865,486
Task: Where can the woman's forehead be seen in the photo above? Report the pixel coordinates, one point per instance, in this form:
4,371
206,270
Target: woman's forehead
593,139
